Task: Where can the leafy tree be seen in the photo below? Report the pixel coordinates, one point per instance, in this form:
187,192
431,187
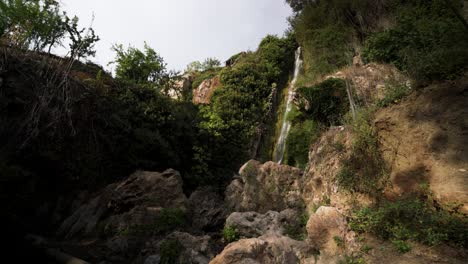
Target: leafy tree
194,66
35,24
210,63
82,40
40,25
298,5
139,66
207,65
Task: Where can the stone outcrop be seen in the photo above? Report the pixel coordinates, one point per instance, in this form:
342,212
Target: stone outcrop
127,221
181,87
202,94
253,224
136,200
369,80
265,187
207,210
270,248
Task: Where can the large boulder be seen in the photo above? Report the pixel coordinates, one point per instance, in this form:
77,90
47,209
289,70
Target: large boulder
253,224
271,248
207,210
265,187
134,201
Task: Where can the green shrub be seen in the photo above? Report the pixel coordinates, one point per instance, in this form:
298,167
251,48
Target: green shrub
170,251
428,41
168,219
242,105
298,232
401,246
393,93
339,242
352,259
230,234
364,170
411,219
325,102
298,142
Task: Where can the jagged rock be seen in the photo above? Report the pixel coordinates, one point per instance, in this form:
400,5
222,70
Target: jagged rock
207,210
265,187
253,224
181,86
270,248
133,201
203,93
368,80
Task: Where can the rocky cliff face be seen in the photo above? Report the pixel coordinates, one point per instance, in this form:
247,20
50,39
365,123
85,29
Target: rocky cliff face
275,213
205,90
422,139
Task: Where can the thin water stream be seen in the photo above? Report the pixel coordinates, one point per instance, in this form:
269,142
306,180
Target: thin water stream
286,125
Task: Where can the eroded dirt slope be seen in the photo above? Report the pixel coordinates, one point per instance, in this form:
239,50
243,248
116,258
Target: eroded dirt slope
425,140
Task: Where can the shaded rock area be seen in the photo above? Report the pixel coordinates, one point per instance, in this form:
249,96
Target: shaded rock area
203,93
135,201
207,210
140,219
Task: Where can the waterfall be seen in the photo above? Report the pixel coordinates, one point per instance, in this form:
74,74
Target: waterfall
286,125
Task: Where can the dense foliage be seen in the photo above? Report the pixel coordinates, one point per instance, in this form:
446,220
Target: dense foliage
207,65
316,106
411,219
239,108
139,66
40,25
428,41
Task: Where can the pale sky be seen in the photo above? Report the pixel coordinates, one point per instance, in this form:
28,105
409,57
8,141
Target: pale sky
181,31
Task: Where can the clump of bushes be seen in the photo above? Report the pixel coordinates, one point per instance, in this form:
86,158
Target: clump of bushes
298,231
167,220
170,251
393,93
238,109
364,170
325,102
230,234
427,41
411,219
300,137
316,106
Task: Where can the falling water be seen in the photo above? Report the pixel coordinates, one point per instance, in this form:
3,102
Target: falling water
286,125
